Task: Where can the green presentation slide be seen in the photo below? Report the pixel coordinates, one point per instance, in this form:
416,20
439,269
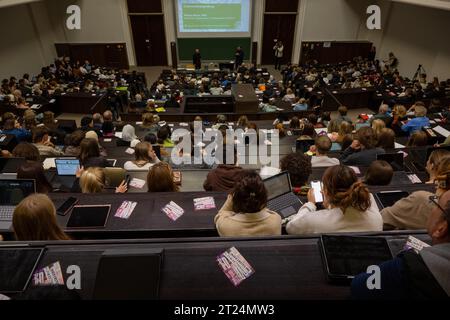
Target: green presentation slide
205,16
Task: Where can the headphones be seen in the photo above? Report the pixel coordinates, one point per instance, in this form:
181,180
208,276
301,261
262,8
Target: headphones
443,181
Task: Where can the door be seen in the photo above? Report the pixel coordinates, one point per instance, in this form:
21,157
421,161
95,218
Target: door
280,27
149,39
116,55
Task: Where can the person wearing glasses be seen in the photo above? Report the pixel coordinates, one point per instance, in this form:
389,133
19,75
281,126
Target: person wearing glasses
411,275
412,212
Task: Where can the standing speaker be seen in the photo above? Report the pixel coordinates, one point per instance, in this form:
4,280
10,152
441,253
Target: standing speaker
173,51
254,53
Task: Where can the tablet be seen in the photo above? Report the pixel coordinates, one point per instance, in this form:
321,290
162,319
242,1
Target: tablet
89,217
344,257
389,198
16,268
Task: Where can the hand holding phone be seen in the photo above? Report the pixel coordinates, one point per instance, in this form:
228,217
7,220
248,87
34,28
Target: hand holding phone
317,189
66,206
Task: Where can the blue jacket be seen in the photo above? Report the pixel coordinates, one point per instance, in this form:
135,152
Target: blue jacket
416,124
300,107
21,134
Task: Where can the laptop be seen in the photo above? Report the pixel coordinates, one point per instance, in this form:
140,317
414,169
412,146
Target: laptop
389,198
67,167
280,197
17,267
394,159
11,165
303,145
140,270
11,193
344,257
92,216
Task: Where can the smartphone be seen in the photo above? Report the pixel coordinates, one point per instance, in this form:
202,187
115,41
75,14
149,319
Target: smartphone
66,206
317,187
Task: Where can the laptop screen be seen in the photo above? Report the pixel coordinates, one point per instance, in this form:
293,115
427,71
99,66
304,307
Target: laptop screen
14,191
277,185
16,268
11,165
394,159
67,167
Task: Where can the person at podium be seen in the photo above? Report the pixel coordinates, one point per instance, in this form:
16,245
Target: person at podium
238,58
197,59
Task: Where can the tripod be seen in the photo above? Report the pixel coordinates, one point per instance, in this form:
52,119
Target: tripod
420,71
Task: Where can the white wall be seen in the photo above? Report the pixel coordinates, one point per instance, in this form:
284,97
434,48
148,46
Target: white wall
102,21
417,35
325,20
23,48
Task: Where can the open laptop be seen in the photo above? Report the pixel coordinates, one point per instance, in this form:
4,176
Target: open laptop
389,198
67,166
11,193
344,257
10,165
140,270
17,267
394,159
280,197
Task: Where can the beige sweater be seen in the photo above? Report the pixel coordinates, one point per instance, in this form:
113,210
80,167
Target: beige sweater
310,221
409,213
231,224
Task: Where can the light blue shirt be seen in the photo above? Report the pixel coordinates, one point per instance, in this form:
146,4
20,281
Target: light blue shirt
416,124
300,107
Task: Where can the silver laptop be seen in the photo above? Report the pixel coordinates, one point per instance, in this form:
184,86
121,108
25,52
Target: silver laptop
11,193
280,197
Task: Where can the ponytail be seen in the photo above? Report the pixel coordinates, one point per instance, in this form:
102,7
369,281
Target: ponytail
357,196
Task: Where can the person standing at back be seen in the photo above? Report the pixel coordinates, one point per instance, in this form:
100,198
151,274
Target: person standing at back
197,59
278,53
239,58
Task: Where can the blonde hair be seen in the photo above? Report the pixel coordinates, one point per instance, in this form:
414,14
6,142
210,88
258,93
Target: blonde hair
420,111
34,219
92,180
377,126
400,110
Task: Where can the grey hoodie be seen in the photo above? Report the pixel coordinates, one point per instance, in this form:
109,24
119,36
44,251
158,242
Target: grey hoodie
437,259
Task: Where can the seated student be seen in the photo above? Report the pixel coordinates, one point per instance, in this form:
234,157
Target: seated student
417,139
164,137
145,158
42,142
93,180
220,120
419,121
412,212
129,137
349,207
90,154
268,105
321,148
301,105
299,167
98,121
398,115
383,114
245,212
34,219
343,115
224,176
242,123
73,142
289,96
160,178
12,126
93,135
412,275
27,151
433,162
108,125
379,173
148,125
34,170
362,151
345,128
386,139
377,126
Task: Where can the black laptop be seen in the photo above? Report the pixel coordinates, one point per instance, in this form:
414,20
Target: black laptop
280,197
16,268
344,257
11,193
394,159
389,198
11,165
128,275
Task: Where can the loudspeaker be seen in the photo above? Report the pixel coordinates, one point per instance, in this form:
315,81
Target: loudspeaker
173,51
254,53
